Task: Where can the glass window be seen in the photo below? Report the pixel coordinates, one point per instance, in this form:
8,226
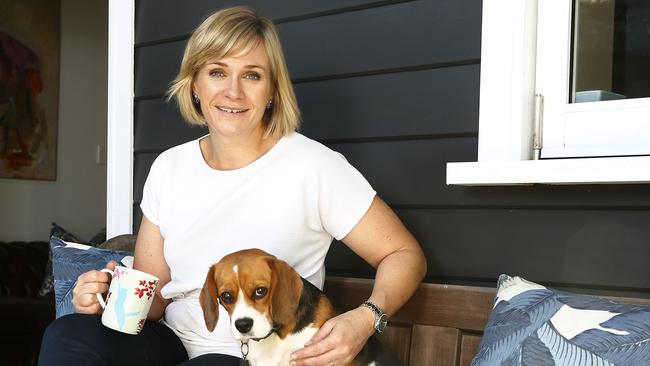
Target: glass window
610,50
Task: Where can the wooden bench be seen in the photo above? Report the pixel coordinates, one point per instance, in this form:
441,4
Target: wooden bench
439,325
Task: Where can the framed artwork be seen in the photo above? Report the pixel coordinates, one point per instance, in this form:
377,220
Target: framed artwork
29,88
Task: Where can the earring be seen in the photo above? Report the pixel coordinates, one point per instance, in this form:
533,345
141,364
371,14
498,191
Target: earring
269,104
195,99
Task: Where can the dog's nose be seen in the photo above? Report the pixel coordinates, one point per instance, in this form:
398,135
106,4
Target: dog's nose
244,325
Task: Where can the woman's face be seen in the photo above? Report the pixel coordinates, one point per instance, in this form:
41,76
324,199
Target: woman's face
234,92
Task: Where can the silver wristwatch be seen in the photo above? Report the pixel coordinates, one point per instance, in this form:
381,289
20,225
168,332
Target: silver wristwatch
381,319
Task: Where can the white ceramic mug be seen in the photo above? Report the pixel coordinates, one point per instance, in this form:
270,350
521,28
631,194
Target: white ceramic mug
128,299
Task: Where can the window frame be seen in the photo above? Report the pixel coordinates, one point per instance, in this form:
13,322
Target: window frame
507,93
119,169
580,129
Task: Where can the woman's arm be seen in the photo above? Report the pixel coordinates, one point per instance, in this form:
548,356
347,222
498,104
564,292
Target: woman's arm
382,240
149,258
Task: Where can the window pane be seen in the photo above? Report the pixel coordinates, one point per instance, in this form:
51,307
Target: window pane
611,50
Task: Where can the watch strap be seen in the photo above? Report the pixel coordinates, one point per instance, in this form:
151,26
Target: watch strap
379,315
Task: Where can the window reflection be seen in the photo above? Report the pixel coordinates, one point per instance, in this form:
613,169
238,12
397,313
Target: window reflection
611,50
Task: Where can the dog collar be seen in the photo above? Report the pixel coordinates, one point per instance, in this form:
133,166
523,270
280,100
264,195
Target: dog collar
274,329
244,345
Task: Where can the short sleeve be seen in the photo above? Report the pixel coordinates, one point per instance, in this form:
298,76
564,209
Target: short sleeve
344,195
150,204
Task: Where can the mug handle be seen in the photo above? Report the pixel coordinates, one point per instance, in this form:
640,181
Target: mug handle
100,297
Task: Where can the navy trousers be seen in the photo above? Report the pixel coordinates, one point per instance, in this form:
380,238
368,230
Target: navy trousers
79,339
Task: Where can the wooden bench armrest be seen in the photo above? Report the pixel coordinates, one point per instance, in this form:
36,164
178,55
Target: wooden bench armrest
439,325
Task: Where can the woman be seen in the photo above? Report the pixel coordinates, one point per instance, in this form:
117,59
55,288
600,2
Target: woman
251,182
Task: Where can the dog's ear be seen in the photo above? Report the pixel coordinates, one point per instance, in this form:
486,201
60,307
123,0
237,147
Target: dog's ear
209,300
286,288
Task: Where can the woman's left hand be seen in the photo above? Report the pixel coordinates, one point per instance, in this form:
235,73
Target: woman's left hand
338,341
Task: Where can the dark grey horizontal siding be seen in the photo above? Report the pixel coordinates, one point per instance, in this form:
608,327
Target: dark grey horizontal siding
583,247
141,164
159,19
159,126
156,67
440,101
137,216
560,246
401,35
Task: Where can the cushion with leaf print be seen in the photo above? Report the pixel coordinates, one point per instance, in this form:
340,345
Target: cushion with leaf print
534,325
69,260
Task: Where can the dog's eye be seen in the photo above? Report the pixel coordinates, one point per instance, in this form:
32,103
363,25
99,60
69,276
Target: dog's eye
260,292
226,297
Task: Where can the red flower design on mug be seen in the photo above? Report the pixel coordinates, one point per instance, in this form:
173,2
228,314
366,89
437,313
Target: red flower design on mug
146,288
140,292
140,324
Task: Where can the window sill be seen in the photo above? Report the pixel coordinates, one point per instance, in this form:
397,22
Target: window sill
614,170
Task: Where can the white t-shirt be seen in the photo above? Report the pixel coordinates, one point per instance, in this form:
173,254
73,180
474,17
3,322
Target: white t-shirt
290,202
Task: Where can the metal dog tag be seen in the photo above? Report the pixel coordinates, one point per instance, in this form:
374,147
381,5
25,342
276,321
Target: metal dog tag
244,353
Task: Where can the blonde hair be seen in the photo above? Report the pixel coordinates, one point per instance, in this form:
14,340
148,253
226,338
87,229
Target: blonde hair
227,32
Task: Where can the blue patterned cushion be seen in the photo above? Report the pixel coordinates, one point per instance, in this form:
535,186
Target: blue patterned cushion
534,325
69,260
47,287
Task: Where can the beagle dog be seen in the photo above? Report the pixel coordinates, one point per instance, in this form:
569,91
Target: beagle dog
273,311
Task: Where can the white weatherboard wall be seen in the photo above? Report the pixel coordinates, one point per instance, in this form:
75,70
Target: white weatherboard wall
77,199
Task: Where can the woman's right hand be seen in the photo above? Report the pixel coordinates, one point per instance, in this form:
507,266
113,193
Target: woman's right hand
89,284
